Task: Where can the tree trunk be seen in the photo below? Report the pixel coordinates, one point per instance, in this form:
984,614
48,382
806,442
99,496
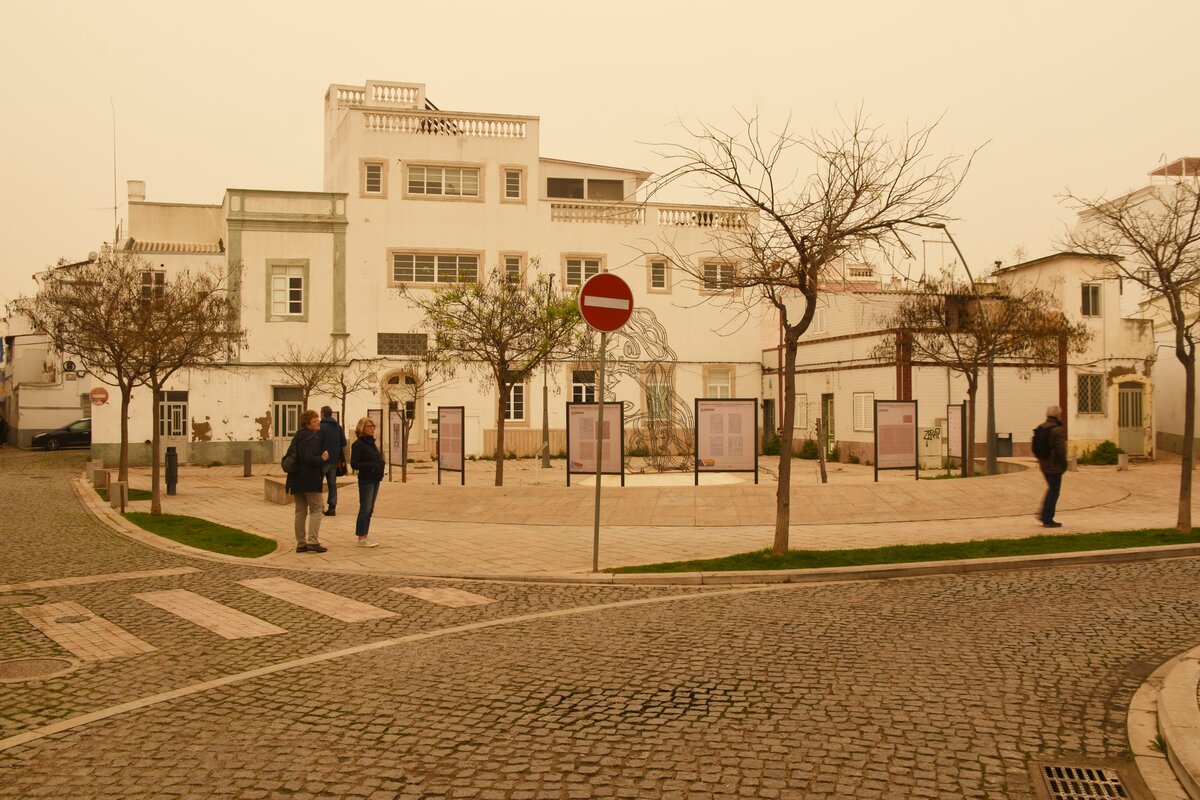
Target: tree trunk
123,463
156,488
969,455
822,436
783,494
991,418
1184,521
499,452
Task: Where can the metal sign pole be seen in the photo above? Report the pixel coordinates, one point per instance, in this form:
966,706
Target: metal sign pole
599,453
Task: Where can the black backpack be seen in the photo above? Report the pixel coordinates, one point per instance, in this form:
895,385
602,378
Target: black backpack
289,463
1042,445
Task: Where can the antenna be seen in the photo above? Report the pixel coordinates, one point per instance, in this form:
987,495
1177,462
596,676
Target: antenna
116,224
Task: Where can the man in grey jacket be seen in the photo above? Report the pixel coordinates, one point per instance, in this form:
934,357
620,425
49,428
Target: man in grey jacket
1053,465
333,440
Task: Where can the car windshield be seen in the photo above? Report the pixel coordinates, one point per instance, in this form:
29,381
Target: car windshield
82,425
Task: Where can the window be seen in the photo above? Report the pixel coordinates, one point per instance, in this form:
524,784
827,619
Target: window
434,268
718,276
864,411
718,383
609,191
372,178
1091,300
514,184
286,407
579,269
658,274
800,421
154,284
514,406
173,415
568,188
1091,393
443,181
583,385
287,290
402,344
512,268
820,322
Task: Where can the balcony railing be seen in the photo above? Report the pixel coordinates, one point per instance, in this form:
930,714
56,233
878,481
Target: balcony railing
635,214
692,217
609,213
438,123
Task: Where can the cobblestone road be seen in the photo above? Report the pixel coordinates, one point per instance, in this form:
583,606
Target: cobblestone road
942,687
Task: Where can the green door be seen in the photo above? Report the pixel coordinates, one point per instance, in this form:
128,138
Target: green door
828,422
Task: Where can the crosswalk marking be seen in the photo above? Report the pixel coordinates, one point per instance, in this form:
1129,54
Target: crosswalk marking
452,598
327,603
88,636
84,580
220,619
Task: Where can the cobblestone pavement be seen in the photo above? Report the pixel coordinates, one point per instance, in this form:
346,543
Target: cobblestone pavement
941,687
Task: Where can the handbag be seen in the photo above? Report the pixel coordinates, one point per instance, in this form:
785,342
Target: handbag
341,468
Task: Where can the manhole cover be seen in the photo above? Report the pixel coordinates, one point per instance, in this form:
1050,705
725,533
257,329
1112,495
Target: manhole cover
1082,783
18,599
29,669
73,619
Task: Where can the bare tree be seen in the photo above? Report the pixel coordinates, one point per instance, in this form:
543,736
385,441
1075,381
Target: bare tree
972,326
500,330
93,311
866,191
353,376
190,323
307,368
1155,235
424,374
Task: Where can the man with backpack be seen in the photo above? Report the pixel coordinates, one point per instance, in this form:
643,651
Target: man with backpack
1050,448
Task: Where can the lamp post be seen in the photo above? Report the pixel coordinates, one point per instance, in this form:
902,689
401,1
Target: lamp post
546,393
991,377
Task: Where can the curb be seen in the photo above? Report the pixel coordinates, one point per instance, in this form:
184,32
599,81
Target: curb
1179,720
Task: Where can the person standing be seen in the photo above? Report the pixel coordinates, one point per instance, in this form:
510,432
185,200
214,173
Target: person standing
333,441
1052,461
3,430
368,461
304,483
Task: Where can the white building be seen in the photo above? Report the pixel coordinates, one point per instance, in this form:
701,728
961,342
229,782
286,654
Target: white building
421,196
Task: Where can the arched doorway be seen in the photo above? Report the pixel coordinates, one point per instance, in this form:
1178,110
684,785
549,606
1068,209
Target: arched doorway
401,392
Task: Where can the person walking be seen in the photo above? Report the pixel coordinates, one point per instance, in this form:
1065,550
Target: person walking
1050,447
368,461
333,441
304,483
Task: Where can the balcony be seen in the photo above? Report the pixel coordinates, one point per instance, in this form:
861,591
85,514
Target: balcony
664,216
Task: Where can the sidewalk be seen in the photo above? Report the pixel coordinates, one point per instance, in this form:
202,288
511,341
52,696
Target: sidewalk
536,526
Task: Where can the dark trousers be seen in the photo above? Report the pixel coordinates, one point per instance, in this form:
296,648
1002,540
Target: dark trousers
367,492
1053,486
329,470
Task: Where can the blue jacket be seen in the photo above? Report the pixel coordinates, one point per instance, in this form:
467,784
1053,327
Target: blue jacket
333,439
366,458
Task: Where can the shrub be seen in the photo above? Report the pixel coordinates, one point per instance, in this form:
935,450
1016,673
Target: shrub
216,463
771,446
835,456
854,459
641,451
1105,454
809,449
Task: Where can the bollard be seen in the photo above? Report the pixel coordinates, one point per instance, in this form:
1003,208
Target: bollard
172,470
1122,463
246,456
118,495
92,466
100,479
1072,463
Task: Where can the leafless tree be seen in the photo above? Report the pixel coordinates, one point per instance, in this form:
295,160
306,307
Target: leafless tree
500,330
189,324
93,311
423,374
307,368
865,192
350,377
1155,235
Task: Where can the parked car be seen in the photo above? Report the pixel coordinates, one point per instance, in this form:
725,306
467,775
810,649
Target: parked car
77,434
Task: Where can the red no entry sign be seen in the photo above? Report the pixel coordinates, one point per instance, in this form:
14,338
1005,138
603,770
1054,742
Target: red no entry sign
606,302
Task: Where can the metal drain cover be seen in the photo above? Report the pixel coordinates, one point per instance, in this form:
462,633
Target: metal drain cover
1082,783
73,619
31,669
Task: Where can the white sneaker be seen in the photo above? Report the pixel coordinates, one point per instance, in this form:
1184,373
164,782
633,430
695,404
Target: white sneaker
367,543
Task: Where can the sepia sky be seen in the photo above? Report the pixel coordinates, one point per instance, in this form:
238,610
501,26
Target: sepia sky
1090,95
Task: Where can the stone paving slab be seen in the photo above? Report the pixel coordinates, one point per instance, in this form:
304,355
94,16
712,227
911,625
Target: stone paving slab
78,630
226,622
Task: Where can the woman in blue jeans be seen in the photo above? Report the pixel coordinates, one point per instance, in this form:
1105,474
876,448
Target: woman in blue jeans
366,459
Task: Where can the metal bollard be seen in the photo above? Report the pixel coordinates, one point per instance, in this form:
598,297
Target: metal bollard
1122,463
172,470
246,462
1072,463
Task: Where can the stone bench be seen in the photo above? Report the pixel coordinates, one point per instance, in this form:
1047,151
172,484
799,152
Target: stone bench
275,491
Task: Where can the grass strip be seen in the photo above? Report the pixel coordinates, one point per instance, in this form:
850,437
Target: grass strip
204,535
908,553
134,494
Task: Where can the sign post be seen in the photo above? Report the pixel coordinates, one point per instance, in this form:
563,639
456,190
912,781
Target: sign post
605,303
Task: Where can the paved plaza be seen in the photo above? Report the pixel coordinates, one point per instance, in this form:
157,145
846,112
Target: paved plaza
296,677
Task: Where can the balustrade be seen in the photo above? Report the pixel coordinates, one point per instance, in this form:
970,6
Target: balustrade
702,218
598,212
438,124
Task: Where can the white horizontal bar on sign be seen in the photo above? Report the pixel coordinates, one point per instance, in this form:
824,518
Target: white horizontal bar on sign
605,302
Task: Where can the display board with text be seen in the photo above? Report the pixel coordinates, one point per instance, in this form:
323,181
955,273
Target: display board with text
726,436
896,435
451,452
396,434
581,440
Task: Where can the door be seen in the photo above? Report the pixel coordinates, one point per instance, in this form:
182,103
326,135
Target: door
828,422
1130,422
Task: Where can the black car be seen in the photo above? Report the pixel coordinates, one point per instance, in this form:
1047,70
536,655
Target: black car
77,434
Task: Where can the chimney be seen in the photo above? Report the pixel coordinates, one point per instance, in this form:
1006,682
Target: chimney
137,191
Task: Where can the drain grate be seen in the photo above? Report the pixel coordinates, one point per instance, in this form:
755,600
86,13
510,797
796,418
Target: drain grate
1082,783
19,670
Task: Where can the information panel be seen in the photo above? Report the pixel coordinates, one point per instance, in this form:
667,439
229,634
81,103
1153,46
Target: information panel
895,435
396,434
451,455
581,440
727,436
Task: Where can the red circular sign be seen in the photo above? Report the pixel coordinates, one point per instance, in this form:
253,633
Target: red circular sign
606,302
99,396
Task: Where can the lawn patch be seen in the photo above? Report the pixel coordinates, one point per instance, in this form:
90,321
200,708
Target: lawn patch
134,494
204,535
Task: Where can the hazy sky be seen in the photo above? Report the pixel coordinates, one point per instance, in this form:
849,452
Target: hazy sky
229,94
